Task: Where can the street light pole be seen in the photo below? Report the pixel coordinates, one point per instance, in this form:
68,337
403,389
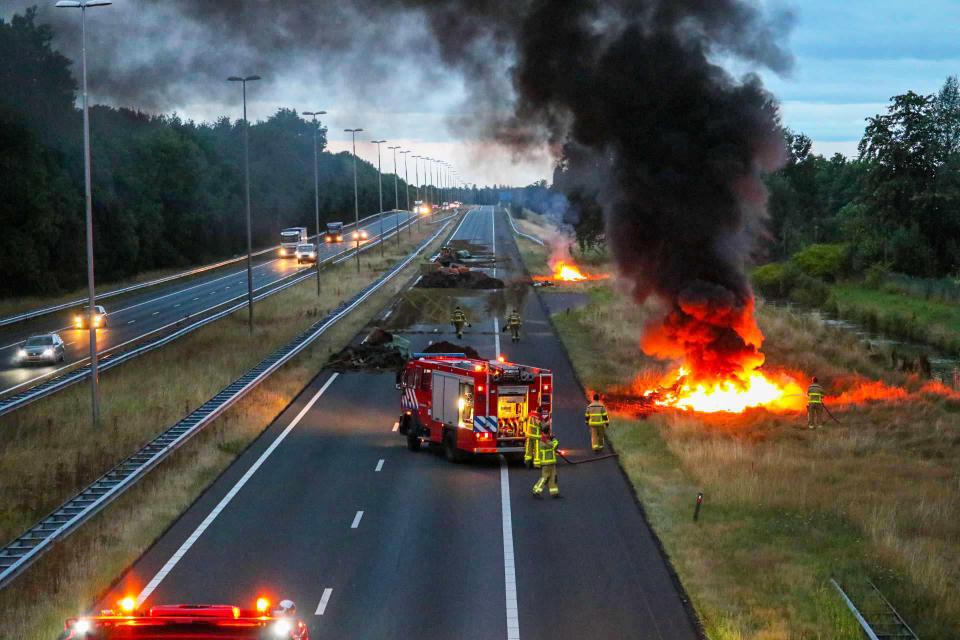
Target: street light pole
246,169
88,193
316,191
396,194
380,185
356,206
406,189
416,176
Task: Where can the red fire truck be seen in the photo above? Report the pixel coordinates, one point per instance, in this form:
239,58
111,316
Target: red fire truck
470,406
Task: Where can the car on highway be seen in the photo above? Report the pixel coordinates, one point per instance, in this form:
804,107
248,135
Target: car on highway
98,318
45,347
334,232
360,235
190,622
306,253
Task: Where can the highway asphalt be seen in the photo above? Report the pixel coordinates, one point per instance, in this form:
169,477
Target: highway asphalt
132,316
330,509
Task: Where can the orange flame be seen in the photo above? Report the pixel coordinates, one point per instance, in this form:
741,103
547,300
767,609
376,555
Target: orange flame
776,392
570,273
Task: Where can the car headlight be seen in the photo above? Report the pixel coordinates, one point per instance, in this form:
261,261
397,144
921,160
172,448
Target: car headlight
78,319
283,252
48,352
282,629
21,353
327,239
339,238
82,627
313,255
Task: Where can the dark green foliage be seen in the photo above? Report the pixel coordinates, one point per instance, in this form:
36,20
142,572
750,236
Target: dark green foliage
788,282
825,261
166,193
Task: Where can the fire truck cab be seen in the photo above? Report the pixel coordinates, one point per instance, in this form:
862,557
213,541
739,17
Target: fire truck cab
470,406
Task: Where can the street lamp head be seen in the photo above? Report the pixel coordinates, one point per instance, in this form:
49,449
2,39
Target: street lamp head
235,79
353,130
396,147
73,4
377,141
314,113
251,78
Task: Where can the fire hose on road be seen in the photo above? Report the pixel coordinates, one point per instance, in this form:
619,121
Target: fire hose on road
593,459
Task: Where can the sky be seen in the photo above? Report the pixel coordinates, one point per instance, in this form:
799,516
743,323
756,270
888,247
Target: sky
851,56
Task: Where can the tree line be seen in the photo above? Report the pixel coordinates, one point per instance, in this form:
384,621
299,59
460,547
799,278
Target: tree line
166,192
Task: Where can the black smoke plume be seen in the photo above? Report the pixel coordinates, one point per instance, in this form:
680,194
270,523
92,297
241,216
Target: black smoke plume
670,144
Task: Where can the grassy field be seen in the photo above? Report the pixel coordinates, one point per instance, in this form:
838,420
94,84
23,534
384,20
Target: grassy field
785,509
931,321
141,399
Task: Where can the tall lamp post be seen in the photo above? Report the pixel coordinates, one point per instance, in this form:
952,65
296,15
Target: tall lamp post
94,374
356,206
406,189
380,185
396,193
246,169
316,190
416,176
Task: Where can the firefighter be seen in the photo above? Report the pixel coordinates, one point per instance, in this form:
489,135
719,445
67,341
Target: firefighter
458,318
513,324
597,421
548,464
535,424
814,404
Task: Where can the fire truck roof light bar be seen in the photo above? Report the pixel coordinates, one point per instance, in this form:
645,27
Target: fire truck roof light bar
438,355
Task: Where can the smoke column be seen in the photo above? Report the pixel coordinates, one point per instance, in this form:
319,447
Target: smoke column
670,145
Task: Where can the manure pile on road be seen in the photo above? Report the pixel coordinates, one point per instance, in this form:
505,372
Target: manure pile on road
459,278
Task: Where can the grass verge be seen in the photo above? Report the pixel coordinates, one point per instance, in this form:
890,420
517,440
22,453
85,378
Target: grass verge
785,509
141,399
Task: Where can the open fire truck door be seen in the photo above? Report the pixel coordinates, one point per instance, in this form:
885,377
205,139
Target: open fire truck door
453,400
512,410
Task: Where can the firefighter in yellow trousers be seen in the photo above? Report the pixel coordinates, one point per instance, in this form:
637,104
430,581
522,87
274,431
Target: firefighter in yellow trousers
531,454
597,420
814,404
458,319
548,464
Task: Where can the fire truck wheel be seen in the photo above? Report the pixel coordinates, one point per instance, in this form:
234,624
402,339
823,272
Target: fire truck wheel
450,447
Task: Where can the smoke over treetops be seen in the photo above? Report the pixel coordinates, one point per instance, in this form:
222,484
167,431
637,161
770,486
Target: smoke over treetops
668,143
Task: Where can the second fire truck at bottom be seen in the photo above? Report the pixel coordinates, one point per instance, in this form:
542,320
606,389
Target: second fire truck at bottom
470,406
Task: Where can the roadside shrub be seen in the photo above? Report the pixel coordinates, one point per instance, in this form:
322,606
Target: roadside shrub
768,279
877,274
781,281
825,261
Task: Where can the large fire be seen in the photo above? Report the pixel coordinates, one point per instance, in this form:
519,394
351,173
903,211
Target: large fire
564,271
734,395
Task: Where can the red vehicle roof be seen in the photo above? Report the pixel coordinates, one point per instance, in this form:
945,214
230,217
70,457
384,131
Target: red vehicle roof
185,622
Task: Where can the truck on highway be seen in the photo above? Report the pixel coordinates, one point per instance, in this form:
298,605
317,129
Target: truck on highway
290,238
334,232
470,406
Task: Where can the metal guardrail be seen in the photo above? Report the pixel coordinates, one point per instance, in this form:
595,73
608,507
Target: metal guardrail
521,233
16,401
26,549
36,313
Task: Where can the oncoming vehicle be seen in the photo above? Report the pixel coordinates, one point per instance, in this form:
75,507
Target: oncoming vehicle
360,234
306,253
334,232
290,238
98,318
470,406
46,347
421,207
190,622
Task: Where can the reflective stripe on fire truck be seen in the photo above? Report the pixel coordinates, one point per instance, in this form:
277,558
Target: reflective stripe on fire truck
485,424
409,399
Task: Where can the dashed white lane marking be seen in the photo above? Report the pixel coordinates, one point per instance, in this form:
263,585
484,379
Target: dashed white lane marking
131,322
379,465
387,314
172,562
178,304
195,299
155,313
396,425
324,599
356,520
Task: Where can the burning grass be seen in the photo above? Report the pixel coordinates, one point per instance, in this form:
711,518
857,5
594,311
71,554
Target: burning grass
787,508
140,399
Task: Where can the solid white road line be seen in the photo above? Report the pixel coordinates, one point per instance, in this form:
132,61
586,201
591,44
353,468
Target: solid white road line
172,562
379,465
324,599
496,335
356,520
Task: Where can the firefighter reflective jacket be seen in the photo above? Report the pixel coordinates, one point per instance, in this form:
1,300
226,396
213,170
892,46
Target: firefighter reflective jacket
596,414
548,451
533,428
815,393
513,320
458,316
